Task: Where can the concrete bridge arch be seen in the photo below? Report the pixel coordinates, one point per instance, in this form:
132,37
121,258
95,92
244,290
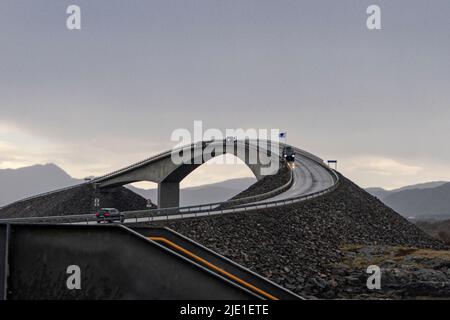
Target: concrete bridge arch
168,173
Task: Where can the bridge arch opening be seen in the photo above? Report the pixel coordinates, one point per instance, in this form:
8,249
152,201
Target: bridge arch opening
146,189
169,174
216,180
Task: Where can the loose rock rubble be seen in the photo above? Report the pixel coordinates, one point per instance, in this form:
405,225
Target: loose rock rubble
80,199
77,200
267,183
300,247
405,273
318,248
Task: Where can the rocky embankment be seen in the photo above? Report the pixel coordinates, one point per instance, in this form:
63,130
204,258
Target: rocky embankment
406,273
80,199
77,200
267,184
437,229
302,247
262,187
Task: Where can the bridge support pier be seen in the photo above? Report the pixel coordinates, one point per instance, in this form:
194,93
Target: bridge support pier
168,194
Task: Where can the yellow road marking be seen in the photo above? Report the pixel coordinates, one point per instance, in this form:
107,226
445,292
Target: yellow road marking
215,268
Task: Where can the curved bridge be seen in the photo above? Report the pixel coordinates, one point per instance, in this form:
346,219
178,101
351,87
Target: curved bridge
310,178
194,270
168,169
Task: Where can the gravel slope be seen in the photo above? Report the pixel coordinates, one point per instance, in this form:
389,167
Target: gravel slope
266,184
78,200
298,247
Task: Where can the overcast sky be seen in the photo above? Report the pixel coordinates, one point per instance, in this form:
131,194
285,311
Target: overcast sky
111,93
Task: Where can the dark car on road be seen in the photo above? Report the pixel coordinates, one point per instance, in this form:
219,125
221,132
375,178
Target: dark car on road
109,215
289,154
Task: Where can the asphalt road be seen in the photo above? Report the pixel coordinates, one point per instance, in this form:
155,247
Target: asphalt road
309,177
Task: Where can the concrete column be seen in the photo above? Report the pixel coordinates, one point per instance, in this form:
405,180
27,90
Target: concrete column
168,194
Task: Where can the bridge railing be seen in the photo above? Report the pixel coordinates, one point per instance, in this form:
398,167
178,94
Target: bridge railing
158,212
211,206
174,214
183,212
245,143
231,206
111,174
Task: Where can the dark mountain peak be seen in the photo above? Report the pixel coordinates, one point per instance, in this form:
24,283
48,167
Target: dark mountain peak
35,167
19,183
380,193
424,200
424,185
428,202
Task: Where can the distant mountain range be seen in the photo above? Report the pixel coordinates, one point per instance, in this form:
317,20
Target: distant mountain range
429,200
214,192
381,193
16,184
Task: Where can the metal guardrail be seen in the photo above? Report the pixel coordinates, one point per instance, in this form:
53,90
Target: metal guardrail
247,208
245,204
173,213
101,178
217,208
263,196
119,171
175,210
191,211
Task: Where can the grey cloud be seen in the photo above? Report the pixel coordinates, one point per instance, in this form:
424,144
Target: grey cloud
136,72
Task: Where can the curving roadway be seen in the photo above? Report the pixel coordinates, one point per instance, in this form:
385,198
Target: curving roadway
311,177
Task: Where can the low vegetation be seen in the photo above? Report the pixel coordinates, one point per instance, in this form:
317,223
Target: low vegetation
437,229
